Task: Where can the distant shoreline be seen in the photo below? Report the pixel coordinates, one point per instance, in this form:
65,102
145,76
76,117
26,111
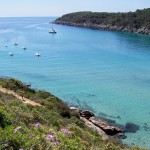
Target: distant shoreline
105,27
134,22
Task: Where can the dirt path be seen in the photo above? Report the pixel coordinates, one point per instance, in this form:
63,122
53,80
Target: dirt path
24,100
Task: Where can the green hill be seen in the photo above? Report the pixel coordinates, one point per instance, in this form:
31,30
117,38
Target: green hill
138,22
51,126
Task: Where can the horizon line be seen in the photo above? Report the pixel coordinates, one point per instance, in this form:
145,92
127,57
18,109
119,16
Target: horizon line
25,16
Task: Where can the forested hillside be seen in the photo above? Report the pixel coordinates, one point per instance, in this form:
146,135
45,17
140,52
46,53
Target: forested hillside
138,21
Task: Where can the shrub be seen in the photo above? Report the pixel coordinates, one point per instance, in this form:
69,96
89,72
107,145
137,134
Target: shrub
5,119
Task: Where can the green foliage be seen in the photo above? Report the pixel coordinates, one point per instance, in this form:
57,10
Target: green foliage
4,118
138,19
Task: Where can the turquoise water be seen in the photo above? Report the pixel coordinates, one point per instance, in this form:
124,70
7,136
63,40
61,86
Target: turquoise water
106,72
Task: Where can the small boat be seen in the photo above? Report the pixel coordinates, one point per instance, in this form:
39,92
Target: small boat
52,30
24,48
15,44
27,84
11,54
6,46
38,54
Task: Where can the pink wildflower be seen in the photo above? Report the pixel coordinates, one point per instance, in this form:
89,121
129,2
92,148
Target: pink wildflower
38,124
31,136
16,129
49,137
56,141
66,131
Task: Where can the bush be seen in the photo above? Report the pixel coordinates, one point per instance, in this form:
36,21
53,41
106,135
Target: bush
5,119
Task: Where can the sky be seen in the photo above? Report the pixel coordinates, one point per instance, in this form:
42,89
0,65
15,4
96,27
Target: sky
25,8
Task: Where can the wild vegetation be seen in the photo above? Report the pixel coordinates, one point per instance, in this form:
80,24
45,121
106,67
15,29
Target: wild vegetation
50,126
138,21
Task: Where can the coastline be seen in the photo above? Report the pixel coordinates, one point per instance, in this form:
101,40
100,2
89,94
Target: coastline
106,130
105,27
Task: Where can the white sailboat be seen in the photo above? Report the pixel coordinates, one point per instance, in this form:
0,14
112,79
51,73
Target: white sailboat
52,30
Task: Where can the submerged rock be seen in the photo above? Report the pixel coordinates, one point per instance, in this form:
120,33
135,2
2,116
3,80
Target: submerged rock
131,127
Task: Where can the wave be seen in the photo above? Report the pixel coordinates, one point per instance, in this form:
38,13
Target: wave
31,26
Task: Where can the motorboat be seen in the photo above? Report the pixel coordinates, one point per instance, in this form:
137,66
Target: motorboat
38,54
15,44
11,54
24,48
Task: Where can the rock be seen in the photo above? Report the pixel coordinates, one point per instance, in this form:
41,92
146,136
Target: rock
108,129
75,109
121,136
86,114
101,126
95,128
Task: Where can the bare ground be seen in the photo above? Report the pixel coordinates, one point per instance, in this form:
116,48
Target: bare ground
22,99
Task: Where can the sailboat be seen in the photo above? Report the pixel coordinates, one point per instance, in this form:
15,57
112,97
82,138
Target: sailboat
52,30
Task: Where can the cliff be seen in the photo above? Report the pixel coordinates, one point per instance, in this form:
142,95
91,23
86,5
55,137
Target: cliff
136,22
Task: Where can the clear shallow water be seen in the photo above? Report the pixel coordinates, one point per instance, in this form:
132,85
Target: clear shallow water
107,72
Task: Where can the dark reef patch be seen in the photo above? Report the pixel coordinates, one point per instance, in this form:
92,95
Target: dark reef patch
78,103
88,95
110,121
131,127
108,116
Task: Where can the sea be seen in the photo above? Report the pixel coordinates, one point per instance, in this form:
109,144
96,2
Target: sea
107,72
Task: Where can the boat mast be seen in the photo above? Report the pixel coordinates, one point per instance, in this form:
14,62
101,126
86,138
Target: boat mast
51,25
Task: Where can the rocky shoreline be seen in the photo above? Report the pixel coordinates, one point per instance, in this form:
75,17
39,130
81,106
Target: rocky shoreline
109,27
103,128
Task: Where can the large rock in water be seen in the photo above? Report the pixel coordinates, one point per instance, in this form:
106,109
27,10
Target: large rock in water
107,128
86,114
95,128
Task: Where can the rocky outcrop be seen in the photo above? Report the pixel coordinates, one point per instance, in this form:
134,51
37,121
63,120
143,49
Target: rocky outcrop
83,113
110,27
86,114
95,128
107,128
103,128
